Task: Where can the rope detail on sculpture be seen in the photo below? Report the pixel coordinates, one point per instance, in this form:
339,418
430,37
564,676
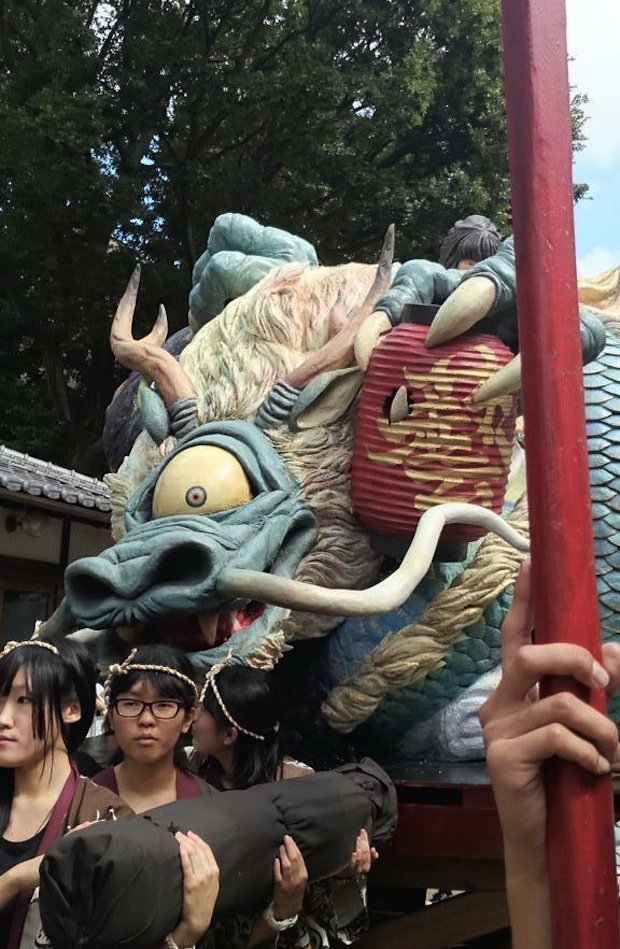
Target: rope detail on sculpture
417,649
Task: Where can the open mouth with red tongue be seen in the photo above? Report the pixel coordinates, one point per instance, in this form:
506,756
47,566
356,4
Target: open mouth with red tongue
194,632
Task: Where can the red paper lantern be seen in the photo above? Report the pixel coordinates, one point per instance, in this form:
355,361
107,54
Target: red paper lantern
421,441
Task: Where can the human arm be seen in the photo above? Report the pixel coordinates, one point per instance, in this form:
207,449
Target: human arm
295,769
23,876
364,855
201,883
520,732
290,878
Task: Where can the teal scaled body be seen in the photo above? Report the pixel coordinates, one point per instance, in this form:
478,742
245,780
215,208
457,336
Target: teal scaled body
602,397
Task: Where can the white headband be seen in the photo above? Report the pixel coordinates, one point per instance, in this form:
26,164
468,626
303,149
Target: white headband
210,682
128,665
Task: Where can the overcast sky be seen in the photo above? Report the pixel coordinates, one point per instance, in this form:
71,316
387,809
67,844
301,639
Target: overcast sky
593,28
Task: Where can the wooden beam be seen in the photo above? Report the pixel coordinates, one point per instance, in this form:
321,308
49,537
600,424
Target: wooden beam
444,924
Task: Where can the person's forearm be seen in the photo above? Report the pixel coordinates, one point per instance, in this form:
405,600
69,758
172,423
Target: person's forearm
23,876
184,936
261,932
8,888
527,891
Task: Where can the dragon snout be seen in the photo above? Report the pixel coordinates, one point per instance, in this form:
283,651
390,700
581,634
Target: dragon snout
186,565
153,580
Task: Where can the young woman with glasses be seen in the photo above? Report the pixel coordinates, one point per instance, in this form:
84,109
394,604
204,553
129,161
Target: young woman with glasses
151,699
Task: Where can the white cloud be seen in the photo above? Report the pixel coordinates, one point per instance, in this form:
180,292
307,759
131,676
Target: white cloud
596,261
593,39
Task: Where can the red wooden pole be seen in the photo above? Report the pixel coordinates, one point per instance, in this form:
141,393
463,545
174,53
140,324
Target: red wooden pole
580,828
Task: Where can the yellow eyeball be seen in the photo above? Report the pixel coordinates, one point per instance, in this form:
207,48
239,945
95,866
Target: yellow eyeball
201,480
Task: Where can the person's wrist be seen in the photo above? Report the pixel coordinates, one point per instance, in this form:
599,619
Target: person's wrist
183,937
525,863
284,910
280,917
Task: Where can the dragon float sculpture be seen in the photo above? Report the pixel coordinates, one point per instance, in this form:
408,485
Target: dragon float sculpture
312,463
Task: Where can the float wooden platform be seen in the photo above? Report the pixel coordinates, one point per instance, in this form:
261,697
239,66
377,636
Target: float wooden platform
448,838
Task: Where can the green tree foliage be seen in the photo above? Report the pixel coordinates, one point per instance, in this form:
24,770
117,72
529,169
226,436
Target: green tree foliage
334,118
579,120
61,204
127,126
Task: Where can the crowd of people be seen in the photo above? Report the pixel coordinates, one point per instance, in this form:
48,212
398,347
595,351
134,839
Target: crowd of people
47,702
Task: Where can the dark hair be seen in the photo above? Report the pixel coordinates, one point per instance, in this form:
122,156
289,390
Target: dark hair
252,698
53,680
166,685
474,238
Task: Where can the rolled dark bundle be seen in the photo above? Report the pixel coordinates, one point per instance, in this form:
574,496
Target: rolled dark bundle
119,884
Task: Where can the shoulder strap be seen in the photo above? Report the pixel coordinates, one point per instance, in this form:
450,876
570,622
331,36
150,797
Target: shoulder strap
52,832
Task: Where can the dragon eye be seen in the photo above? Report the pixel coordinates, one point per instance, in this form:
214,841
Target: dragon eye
195,496
200,480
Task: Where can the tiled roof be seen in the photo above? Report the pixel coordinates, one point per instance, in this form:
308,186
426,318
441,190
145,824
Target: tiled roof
25,475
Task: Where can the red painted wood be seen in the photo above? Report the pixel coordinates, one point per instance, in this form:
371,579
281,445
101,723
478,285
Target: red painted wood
580,838
450,821
447,822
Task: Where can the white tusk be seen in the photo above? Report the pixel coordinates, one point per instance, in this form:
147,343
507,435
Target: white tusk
386,595
466,306
86,636
503,382
368,335
399,409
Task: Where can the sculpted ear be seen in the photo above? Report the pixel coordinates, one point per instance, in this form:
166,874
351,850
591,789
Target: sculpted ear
326,398
154,413
176,395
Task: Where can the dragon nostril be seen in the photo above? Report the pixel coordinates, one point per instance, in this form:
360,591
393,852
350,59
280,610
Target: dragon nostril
87,588
94,581
186,565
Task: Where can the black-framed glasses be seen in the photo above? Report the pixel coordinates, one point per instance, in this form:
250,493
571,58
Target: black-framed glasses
133,708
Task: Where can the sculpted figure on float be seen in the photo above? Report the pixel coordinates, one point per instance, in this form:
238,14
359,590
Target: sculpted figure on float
321,464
